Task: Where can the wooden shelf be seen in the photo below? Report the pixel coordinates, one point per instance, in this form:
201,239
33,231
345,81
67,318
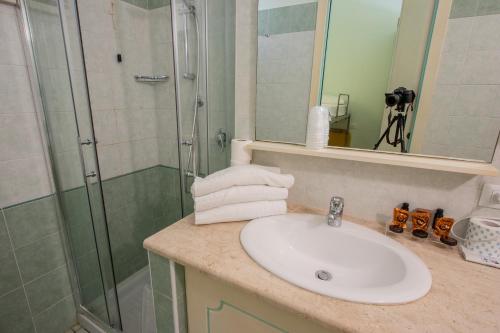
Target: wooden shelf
387,158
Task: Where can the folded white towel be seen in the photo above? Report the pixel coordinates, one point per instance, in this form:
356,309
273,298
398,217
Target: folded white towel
241,212
239,194
232,169
239,175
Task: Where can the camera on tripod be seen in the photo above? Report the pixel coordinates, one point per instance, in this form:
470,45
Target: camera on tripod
402,99
399,98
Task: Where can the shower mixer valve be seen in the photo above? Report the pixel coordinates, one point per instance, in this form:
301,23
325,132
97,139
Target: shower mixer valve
221,139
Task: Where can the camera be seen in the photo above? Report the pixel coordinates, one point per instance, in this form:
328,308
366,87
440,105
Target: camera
399,97
402,99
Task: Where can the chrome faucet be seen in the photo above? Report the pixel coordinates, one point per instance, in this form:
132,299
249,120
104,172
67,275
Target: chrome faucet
334,217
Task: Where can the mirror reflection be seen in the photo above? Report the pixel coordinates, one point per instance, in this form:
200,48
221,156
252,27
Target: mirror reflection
364,61
373,47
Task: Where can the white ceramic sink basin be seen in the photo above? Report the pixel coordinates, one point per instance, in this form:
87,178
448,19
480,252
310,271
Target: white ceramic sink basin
363,265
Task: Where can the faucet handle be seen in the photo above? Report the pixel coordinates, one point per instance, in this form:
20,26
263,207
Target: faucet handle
334,217
336,204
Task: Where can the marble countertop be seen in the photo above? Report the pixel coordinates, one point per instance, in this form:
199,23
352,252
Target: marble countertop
465,297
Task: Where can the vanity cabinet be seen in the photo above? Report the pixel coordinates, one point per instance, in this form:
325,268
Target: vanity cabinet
217,307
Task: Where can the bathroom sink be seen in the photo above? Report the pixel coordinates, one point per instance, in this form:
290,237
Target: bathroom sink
352,262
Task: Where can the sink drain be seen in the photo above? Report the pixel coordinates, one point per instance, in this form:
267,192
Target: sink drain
323,275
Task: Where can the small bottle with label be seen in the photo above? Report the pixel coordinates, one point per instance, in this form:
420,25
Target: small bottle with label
421,219
442,230
400,218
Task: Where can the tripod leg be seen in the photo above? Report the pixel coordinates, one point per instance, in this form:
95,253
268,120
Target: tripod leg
385,134
402,133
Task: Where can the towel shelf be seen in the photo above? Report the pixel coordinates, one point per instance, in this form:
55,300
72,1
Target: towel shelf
151,78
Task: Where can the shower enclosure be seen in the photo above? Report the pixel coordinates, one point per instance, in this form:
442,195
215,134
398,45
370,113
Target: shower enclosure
138,99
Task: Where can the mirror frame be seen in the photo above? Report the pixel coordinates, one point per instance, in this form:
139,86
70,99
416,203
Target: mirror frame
414,159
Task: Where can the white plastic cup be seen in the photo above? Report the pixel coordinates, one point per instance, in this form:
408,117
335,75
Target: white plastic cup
317,128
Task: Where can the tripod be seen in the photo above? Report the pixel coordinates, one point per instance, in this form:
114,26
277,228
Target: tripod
400,121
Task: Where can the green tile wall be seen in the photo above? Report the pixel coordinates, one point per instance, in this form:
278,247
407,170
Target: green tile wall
80,227
162,294
48,2
35,289
488,7
153,4
57,316
15,316
34,278
148,4
287,19
468,8
137,206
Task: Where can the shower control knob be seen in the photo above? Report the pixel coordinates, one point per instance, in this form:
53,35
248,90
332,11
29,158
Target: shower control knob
187,142
91,174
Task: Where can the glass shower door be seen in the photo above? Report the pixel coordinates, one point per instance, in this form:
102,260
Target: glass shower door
128,55
61,82
138,98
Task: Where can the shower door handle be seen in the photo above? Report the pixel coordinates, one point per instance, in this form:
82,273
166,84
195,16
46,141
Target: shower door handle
187,142
87,142
91,174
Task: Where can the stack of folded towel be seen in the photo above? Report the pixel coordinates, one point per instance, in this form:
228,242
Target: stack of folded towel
240,193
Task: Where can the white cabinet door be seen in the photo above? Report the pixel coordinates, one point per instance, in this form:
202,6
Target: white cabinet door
216,307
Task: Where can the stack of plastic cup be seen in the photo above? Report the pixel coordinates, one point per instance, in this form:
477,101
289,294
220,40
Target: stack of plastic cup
326,124
317,128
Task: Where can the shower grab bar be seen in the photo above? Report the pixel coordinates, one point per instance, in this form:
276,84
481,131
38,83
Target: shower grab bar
187,72
151,78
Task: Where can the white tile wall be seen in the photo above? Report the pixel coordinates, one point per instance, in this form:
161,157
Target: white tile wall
23,173
164,95
11,47
135,123
283,86
15,93
371,190
465,109
245,68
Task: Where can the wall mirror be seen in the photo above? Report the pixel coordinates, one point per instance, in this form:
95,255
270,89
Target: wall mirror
366,61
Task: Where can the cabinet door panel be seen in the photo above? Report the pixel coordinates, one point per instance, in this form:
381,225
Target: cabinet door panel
216,307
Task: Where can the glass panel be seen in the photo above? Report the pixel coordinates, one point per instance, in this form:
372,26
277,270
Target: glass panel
135,125
220,69
80,200
189,29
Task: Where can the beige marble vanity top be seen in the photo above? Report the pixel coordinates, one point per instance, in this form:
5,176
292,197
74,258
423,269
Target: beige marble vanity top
465,297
